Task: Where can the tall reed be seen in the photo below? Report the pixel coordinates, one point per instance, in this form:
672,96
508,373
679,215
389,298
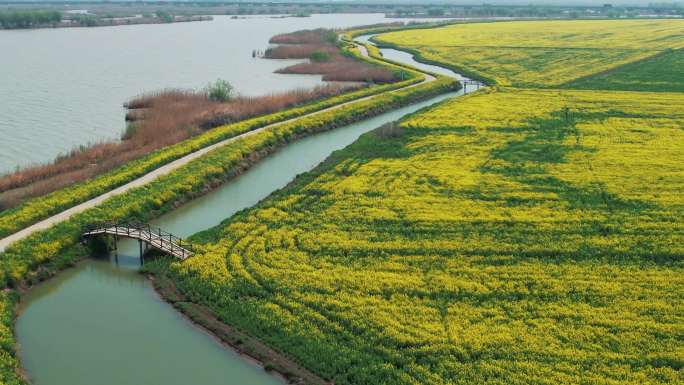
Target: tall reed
158,119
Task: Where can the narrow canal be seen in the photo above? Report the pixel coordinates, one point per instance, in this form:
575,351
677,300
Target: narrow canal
102,323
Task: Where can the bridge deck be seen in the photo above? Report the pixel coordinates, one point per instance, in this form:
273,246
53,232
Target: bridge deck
160,240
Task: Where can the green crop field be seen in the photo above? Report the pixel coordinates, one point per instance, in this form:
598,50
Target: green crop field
660,73
513,236
494,239
529,233
44,253
541,53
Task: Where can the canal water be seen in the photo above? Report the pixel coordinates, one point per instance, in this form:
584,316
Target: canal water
102,323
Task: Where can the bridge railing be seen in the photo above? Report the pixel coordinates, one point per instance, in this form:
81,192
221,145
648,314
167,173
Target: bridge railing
155,236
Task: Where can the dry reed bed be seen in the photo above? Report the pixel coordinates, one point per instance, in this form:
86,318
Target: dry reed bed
320,45
44,253
299,51
309,36
344,70
161,119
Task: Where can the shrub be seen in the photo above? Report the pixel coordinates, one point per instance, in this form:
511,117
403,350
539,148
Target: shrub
164,16
319,56
220,91
27,19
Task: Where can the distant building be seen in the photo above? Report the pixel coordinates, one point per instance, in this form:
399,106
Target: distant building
78,12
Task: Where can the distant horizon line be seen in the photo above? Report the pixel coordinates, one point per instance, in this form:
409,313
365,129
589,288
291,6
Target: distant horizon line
500,3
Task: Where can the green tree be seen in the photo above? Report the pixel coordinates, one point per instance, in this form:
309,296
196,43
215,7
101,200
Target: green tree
319,56
220,90
164,16
87,20
436,12
28,19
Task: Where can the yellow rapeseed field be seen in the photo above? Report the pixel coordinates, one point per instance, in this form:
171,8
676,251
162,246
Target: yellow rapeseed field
541,53
509,237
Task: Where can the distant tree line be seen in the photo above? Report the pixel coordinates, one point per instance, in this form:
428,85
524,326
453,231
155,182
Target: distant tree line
164,16
607,10
28,19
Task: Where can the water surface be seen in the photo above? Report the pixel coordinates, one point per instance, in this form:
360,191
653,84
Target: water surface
61,88
102,323
406,57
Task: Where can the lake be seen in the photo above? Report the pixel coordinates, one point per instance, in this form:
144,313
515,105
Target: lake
61,88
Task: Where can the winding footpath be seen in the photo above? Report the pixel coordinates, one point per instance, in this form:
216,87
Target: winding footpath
174,165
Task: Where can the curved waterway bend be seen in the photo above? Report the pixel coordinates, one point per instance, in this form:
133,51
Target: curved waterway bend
102,323
406,57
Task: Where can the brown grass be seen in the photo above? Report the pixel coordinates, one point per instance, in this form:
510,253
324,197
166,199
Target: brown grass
299,51
159,119
167,117
312,36
338,67
344,70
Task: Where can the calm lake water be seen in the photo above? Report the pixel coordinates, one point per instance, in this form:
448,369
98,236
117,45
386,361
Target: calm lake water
60,88
102,323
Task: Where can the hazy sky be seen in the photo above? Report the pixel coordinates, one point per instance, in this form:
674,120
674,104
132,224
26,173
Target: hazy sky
469,2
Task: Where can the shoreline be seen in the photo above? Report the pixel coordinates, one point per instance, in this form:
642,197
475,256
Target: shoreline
22,290
252,349
204,317
271,360
115,23
201,318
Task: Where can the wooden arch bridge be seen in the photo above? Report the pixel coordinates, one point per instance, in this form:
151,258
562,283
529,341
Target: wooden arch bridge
146,236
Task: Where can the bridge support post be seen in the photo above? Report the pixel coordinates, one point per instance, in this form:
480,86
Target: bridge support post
141,251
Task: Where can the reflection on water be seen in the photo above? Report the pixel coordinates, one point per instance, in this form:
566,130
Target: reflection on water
99,269
102,323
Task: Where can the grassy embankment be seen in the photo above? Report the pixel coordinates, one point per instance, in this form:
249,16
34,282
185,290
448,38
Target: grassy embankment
38,208
167,117
512,236
42,254
155,120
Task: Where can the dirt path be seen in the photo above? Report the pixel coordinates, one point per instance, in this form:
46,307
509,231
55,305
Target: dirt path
169,167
